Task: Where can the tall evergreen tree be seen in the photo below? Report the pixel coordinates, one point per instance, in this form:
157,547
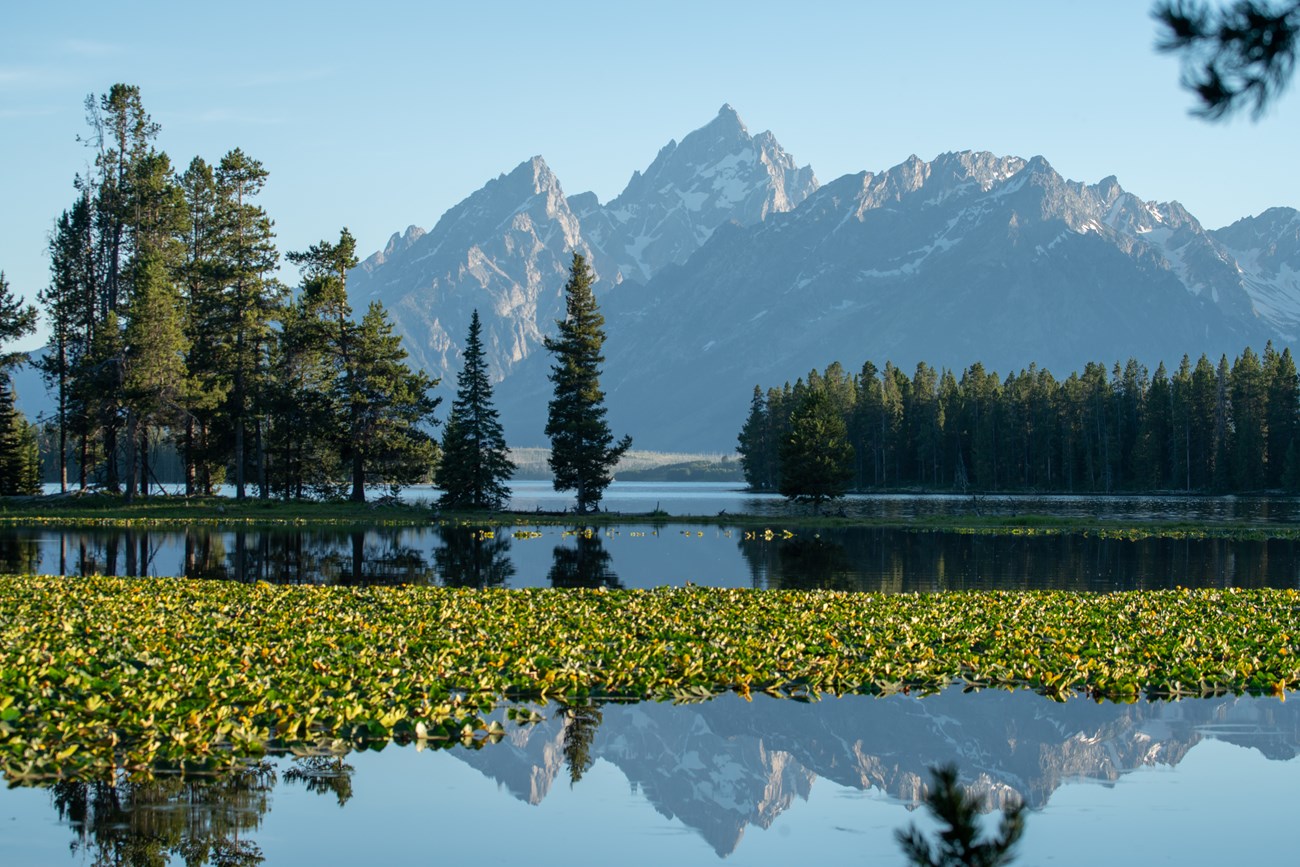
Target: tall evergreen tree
70,275
121,133
154,377
757,451
1283,415
387,407
20,469
1151,461
16,319
816,458
205,443
583,452
475,463
250,298
19,465
1248,396
381,406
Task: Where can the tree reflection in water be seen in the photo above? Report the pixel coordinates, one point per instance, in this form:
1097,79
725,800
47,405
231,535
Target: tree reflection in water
350,558
586,564
18,555
580,724
473,558
720,766
201,820
323,775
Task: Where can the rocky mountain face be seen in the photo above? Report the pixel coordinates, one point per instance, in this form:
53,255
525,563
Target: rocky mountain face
507,248
718,174
724,265
970,257
725,765
1266,250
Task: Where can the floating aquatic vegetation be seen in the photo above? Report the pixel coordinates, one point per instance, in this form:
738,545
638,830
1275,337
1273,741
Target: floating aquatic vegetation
107,672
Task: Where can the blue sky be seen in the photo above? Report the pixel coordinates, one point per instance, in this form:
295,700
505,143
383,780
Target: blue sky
377,117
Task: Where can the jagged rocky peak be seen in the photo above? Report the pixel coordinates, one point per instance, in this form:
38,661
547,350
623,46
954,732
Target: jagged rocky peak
528,198
1274,233
928,184
398,242
733,165
1266,250
533,178
583,204
533,173
981,169
717,174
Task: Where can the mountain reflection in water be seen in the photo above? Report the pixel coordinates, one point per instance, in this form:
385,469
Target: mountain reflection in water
652,555
719,767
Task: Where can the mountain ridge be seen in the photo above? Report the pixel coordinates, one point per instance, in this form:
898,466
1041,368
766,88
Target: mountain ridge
724,264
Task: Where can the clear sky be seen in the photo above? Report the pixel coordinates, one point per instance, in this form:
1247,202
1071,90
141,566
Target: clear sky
377,116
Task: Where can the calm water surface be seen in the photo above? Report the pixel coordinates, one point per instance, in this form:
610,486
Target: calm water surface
644,555
712,498
769,782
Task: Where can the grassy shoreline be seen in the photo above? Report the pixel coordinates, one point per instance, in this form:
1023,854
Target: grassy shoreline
111,511
107,672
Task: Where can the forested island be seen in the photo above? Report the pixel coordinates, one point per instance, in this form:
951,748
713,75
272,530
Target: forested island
1230,427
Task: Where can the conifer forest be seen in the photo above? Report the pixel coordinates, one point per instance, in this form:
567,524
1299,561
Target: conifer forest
1233,426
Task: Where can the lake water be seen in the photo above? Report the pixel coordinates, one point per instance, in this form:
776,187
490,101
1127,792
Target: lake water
724,781
1194,782
712,498
644,555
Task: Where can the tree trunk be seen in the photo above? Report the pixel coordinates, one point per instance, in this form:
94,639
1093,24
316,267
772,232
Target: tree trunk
131,432
189,457
239,459
358,478
144,462
263,491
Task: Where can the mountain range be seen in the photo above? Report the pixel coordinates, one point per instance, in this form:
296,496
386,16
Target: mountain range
724,265
724,765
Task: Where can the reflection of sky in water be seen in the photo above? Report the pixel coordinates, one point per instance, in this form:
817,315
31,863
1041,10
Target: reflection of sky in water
710,498
642,555
1216,800
1221,803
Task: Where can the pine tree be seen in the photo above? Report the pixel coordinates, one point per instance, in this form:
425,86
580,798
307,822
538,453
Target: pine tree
205,442
957,844
475,463
16,320
62,300
385,406
1283,414
243,261
580,724
816,458
154,376
19,464
583,453
1248,441
379,405
19,460
757,452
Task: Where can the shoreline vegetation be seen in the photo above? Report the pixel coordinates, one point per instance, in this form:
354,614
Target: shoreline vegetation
101,673
109,510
